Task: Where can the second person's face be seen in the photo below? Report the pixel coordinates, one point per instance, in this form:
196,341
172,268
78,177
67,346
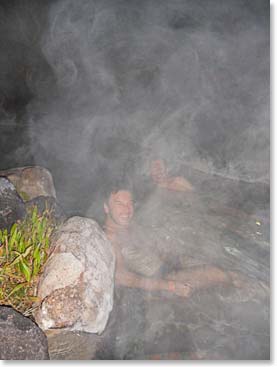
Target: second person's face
158,171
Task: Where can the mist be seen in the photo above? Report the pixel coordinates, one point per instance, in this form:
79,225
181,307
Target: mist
100,85
94,89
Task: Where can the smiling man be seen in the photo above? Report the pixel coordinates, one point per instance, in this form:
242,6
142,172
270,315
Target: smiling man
139,263
136,265
119,211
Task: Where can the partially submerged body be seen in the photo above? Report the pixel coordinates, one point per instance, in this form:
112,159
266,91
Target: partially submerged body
172,237
141,265
150,259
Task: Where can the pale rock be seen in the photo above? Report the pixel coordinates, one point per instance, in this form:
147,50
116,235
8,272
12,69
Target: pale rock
76,288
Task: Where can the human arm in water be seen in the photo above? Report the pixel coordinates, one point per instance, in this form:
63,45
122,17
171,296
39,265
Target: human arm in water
206,276
176,184
127,278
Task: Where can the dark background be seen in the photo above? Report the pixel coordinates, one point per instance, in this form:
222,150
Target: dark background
92,89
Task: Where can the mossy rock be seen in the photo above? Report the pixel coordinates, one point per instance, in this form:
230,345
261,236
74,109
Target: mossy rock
24,196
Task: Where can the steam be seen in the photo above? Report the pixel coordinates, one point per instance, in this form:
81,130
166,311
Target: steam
94,89
185,80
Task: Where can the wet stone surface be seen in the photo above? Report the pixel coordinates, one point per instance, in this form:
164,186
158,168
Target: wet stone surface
20,338
11,205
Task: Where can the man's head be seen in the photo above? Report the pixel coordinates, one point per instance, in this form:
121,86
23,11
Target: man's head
158,170
119,208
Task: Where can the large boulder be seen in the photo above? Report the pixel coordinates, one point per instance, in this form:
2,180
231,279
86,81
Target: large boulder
31,182
11,205
77,284
20,337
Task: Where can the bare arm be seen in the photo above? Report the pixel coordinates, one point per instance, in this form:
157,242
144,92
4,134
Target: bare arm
129,279
178,184
204,277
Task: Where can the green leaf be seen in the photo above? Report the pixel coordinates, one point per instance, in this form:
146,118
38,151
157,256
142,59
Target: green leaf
36,267
16,289
36,253
18,235
26,245
44,224
21,246
13,236
40,232
37,261
34,214
34,237
21,256
25,270
14,227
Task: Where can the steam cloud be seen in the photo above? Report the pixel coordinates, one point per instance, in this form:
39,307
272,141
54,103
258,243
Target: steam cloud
92,89
108,83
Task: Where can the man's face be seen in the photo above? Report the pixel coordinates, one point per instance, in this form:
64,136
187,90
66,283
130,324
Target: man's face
120,207
158,171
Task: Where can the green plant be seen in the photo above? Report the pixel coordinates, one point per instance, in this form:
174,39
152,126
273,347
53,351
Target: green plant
23,252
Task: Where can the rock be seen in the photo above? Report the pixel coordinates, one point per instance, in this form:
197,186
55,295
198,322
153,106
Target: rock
11,205
20,337
47,202
77,284
31,182
72,345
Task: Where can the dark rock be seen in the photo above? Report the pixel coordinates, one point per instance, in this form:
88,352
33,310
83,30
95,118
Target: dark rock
72,345
11,205
47,202
20,337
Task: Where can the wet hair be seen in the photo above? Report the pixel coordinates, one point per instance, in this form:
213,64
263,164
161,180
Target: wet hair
115,185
